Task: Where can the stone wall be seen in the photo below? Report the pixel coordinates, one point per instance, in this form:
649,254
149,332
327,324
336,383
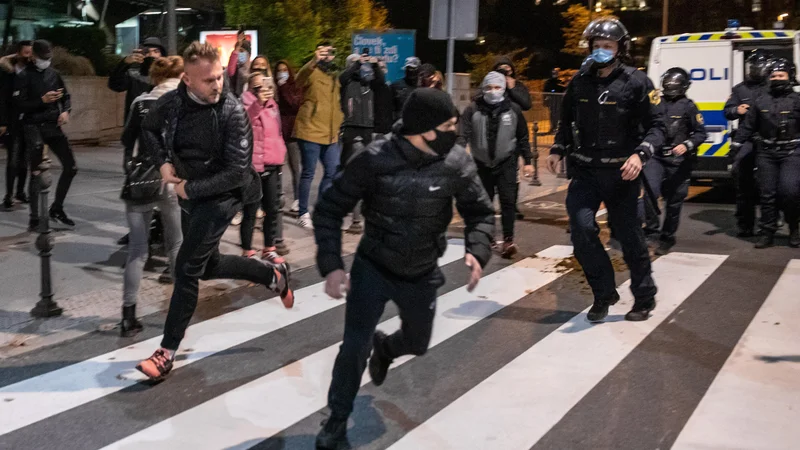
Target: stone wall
98,113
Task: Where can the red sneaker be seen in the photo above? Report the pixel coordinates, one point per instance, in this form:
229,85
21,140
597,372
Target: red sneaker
157,366
280,285
271,256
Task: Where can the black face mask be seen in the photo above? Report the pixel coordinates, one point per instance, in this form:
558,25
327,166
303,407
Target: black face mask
144,70
411,74
444,142
780,86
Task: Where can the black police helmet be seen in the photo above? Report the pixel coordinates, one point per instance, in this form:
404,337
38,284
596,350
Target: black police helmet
611,29
675,82
782,65
756,65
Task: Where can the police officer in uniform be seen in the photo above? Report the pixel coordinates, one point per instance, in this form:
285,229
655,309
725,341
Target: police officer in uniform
612,121
744,159
775,116
669,171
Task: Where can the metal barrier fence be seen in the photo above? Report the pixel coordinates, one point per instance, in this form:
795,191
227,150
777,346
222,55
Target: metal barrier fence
545,113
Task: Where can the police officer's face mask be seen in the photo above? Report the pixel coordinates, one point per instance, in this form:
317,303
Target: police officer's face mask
602,57
780,86
42,64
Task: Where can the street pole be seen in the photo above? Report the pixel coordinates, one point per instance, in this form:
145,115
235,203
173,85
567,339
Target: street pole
7,29
451,43
46,307
665,19
172,28
535,181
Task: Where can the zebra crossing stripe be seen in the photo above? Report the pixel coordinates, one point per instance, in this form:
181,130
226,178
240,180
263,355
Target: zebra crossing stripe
46,395
517,405
754,401
262,408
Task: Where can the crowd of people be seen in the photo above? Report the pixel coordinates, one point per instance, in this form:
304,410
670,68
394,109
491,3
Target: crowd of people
205,144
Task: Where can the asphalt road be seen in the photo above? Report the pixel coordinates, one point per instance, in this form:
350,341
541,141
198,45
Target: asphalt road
513,365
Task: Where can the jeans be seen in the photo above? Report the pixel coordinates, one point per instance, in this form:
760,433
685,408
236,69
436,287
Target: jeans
744,176
36,136
370,289
588,188
293,158
670,181
16,165
199,258
312,152
354,140
270,204
503,180
779,182
139,219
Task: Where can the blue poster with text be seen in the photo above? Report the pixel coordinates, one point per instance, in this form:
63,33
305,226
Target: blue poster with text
392,46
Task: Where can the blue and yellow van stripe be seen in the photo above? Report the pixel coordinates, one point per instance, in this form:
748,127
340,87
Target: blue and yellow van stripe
714,114
719,36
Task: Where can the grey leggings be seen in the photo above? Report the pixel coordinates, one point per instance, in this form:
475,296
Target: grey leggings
139,218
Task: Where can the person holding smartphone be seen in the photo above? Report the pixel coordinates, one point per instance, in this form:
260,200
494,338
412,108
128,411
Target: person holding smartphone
132,73
41,96
317,125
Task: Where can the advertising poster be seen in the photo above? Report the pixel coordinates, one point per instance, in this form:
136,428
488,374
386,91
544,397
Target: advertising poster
225,41
393,46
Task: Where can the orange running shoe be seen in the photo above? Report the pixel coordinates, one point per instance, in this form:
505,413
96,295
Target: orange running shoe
280,284
157,366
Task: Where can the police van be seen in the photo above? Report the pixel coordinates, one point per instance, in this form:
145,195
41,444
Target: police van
715,62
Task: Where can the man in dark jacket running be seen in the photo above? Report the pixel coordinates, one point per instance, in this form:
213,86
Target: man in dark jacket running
200,137
407,185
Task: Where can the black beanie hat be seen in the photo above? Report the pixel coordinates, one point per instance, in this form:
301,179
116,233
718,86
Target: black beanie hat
426,109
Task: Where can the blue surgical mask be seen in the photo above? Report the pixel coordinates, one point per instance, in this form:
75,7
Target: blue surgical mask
242,57
602,56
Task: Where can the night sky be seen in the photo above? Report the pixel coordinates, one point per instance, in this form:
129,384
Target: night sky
505,23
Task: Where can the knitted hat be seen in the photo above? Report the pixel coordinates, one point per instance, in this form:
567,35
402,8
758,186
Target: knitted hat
494,78
425,110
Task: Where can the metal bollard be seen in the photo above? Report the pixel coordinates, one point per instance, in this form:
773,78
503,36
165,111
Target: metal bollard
535,181
46,307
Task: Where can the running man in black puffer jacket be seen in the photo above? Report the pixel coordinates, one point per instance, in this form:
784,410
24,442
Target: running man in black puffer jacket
200,137
407,185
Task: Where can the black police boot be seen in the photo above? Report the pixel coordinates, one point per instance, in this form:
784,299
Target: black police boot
59,215
794,237
333,435
599,309
663,248
745,233
767,240
8,203
130,325
379,362
641,310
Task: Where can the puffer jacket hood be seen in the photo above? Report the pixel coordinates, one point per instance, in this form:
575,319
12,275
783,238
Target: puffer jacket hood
500,60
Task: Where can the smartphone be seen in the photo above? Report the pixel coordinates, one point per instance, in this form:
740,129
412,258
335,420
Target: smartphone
365,51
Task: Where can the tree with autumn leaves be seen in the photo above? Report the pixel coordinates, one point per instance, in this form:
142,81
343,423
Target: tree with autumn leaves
291,29
578,18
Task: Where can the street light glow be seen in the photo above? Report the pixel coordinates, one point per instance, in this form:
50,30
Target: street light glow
783,16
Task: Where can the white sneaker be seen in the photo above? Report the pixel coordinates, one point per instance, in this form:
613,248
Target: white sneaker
295,206
305,222
237,219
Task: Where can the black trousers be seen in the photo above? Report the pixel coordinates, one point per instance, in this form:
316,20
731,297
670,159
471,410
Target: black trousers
779,183
17,164
199,258
270,204
50,134
590,187
354,140
503,181
671,182
370,289
744,166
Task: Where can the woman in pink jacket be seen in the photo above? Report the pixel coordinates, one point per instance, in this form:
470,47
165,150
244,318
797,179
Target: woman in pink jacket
269,152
